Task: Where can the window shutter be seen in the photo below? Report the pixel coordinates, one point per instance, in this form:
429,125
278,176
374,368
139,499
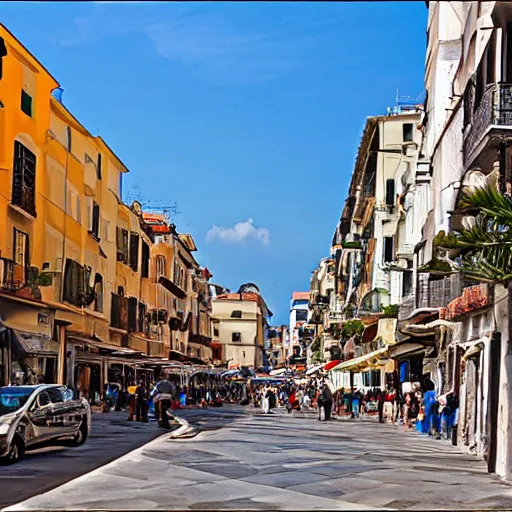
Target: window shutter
98,167
95,219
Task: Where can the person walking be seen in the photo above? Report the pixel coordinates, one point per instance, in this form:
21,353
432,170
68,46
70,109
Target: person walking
163,398
140,401
380,404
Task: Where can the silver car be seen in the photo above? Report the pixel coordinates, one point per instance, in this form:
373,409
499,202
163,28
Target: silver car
42,414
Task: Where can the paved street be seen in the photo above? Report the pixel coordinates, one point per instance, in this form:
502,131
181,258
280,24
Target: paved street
244,460
43,469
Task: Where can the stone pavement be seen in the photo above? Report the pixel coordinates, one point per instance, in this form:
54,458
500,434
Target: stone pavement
242,459
45,468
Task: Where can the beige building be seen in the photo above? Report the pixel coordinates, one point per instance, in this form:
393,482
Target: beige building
240,327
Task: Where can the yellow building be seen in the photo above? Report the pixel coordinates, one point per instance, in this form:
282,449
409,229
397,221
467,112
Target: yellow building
89,289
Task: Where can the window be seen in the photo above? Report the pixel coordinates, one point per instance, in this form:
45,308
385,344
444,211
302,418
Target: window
236,314
122,245
74,283
375,378
302,315
388,249
406,283
145,260
55,395
98,167
142,318
98,293
390,192
179,276
508,63
134,251
236,337
216,332
407,131
95,220
21,256
217,353
24,179
243,354
160,266
26,103
132,314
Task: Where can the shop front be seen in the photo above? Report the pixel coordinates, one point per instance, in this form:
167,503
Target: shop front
28,350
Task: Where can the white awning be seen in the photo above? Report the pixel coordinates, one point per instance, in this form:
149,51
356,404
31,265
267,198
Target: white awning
315,369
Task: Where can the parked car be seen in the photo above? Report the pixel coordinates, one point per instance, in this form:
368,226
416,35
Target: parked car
42,414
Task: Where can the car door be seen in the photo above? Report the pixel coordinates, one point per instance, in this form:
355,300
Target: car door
40,418
59,418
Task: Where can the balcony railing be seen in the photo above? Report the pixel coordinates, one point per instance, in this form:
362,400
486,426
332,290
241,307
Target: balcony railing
495,109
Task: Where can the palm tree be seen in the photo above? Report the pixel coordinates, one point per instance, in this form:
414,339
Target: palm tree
485,244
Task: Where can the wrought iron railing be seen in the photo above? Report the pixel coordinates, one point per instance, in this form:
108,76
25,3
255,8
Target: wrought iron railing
495,109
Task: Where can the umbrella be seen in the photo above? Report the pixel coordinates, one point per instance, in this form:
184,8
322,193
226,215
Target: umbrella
331,365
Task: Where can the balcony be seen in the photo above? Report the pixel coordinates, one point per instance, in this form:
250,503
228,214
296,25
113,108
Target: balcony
432,294
493,113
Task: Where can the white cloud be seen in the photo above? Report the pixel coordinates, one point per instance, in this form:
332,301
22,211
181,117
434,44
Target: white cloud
238,233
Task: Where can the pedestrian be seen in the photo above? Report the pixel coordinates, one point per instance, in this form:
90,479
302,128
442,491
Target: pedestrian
380,405
162,397
140,401
131,401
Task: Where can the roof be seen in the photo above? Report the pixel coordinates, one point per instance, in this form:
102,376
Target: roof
29,53
300,296
252,297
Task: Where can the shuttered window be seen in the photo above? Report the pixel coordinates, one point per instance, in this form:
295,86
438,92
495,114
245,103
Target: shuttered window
74,283
98,167
122,245
26,103
145,260
24,179
134,251
95,222
132,314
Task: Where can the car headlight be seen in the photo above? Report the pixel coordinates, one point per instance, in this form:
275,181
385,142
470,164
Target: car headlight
5,423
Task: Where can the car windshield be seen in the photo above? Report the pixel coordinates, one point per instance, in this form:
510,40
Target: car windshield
13,398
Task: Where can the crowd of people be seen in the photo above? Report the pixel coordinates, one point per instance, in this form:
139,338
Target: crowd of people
419,409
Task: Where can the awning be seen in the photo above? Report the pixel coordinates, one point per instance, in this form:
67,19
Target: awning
279,371
331,365
100,345
354,364
473,351
170,286
407,348
32,343
314,369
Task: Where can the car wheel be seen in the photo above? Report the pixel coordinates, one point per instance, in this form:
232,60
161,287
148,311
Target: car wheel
81,436
16,451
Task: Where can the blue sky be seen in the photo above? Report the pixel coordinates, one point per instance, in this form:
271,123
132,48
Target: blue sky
248,115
